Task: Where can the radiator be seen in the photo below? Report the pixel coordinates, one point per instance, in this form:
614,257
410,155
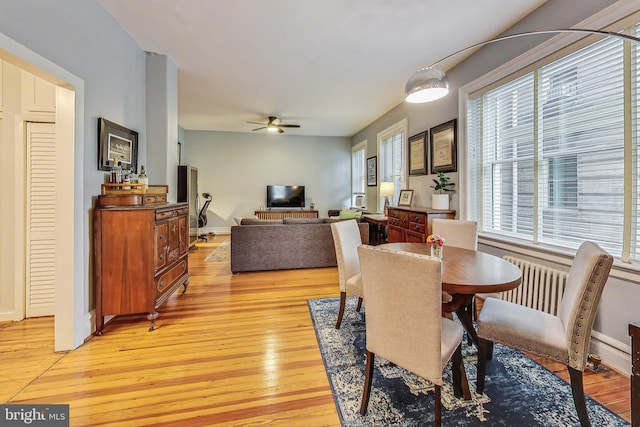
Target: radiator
541,288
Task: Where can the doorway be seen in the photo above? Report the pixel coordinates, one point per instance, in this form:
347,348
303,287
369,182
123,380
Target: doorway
69,289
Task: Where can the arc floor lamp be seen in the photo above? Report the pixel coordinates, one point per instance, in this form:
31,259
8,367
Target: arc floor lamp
431,83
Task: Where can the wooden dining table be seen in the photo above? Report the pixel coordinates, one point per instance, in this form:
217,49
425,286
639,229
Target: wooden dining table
465,273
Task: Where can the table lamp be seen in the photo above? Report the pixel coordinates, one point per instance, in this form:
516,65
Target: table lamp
386,190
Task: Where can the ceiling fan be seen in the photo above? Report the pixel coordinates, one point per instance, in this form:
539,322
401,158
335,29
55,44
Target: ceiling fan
273,125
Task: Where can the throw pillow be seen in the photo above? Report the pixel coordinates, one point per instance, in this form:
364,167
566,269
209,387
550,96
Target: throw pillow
349,214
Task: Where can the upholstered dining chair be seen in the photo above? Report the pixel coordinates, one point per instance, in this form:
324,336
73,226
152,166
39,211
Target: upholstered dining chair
346,238
563,338
404,322
457,233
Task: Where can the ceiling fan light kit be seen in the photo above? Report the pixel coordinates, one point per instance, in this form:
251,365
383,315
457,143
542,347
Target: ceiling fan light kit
273,125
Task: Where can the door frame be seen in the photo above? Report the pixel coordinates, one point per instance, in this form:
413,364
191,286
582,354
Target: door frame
72,322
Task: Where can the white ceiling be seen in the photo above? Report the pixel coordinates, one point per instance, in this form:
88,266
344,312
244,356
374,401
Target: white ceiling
332,66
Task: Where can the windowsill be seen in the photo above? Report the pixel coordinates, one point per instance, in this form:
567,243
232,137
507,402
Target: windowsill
621,270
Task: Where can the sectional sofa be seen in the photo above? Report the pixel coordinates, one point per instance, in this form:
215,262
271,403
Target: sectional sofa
258,245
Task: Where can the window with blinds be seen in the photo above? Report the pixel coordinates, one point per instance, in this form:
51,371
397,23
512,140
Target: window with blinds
546,152
391,160
358,174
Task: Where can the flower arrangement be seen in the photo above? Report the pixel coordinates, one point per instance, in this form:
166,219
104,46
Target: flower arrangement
436,243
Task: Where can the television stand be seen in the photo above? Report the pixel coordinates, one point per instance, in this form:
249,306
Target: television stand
286,213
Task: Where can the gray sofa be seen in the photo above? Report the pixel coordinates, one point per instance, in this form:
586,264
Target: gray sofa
258,245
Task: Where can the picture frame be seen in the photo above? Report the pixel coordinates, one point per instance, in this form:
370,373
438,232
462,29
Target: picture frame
372,171
443,147
405,198
417,153
115,140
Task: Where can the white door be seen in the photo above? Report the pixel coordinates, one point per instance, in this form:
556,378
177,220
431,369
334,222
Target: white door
40,219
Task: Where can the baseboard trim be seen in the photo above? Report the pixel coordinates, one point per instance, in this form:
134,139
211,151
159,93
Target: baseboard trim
215,230
613,353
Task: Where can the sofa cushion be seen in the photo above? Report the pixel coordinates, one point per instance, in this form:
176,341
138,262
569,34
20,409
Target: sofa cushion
303,221
238,219
256,221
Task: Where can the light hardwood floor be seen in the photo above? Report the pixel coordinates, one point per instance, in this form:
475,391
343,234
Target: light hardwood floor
234,350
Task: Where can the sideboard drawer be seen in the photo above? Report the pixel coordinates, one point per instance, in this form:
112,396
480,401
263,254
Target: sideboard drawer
416,227
165,282
398,218
417,217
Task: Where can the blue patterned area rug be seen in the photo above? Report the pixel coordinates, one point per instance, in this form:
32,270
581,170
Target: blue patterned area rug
518,390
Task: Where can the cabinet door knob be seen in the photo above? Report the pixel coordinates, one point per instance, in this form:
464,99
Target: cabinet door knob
161,256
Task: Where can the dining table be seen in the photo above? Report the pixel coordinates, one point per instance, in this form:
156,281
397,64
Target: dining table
466,273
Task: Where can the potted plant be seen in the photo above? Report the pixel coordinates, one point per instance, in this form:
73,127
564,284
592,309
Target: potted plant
442,188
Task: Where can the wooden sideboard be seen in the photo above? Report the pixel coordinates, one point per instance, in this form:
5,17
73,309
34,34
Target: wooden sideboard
140,250
413,224
286,213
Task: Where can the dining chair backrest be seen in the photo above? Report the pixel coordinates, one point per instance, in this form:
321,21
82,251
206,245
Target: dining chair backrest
460,234
403,309
585,283
346,239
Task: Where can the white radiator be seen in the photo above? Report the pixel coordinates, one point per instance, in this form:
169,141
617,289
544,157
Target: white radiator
541,288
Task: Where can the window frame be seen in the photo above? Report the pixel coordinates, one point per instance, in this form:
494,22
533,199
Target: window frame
360,147
398,127
554,48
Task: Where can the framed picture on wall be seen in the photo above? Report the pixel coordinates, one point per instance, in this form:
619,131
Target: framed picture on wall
443,147
372,171
115,141
418,154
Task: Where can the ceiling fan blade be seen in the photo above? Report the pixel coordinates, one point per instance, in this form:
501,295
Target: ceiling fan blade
256,123
289,126
280,130
263,127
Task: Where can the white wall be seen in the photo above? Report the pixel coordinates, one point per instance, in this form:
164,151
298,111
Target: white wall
236,168
78,42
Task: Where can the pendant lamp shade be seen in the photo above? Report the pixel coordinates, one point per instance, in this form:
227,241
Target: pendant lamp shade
427,84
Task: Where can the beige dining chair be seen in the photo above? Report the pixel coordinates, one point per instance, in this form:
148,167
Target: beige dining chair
563,338
404,323
457,233
346,239
461,234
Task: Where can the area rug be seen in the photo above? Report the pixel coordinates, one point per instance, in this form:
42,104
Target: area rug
518,390
221,253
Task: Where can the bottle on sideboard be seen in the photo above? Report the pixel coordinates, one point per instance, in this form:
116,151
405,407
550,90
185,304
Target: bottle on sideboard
142,178
116,172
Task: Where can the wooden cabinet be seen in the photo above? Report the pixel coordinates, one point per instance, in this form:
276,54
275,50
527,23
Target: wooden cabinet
413,224
140,249
38,95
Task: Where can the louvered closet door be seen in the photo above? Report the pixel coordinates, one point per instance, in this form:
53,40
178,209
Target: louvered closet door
40,216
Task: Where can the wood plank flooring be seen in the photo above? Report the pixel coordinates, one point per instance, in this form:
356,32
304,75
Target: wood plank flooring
234,350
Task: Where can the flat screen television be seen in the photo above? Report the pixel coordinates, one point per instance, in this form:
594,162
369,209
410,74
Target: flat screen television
285,196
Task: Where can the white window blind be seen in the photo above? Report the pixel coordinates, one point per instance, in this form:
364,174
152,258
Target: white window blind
546,152
392,161
358,174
